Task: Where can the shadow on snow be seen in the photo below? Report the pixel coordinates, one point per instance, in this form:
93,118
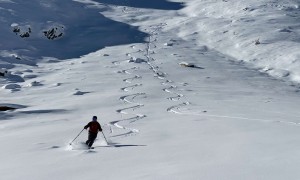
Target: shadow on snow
120,145
85,30
149,4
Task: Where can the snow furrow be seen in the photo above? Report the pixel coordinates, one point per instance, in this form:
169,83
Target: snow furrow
129,99
162,75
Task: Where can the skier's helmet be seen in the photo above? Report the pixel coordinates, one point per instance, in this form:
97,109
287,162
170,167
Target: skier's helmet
94,118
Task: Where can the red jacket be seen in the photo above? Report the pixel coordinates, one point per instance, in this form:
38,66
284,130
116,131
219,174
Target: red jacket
93,126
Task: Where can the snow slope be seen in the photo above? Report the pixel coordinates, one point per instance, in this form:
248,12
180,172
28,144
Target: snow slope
84,30
234,27
172,105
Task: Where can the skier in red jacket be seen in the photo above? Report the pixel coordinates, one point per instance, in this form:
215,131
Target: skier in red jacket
94,128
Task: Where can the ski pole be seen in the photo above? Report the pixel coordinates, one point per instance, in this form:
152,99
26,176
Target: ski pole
104,137
76,137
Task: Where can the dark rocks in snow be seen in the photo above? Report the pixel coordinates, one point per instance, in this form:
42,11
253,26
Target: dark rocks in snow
257,42
22,33
6,108
3,73
54,33
25,35
79,93
190,65
16,30
137,60
248,9
25,31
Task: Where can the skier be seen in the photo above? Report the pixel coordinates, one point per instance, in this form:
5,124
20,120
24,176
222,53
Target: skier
94,128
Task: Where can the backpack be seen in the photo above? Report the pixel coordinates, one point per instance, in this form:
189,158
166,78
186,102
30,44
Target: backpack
94,127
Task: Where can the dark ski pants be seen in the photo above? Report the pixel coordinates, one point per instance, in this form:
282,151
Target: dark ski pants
92,137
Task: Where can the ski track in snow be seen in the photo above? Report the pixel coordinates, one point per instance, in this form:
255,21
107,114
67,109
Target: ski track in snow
128,88
176,97
178,110
128,99
171,88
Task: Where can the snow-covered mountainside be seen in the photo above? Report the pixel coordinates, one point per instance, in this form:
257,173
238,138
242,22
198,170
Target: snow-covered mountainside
263,33
61,29
188,89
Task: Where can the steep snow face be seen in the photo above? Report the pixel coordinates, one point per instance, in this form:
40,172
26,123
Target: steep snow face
264,34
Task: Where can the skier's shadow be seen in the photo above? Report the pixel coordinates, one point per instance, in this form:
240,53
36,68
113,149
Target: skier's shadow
121,145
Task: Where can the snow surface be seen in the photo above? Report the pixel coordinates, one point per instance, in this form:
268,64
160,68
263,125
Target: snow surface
180,89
